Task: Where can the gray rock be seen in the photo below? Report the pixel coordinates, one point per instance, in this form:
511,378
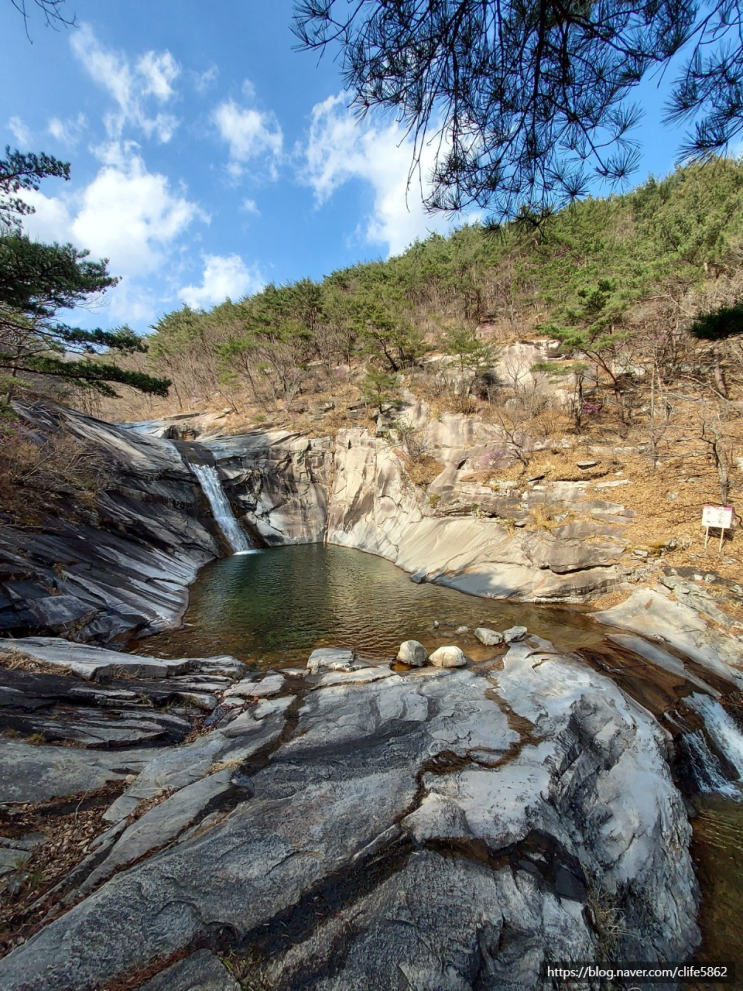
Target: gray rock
201,971
654,614
331,659
515,634
373,507
448,657
35,774
15,851
126,569
159,825
462,629
357,677
412,652
97,662
250,688
491,638
360,780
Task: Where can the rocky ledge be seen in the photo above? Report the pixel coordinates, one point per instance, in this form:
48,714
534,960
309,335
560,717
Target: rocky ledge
345,826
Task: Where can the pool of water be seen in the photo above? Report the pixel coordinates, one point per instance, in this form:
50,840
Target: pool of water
718,854
275,606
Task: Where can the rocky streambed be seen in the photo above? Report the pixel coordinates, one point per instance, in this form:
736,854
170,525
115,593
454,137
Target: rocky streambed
338,826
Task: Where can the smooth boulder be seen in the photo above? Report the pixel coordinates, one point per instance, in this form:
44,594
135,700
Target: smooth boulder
448,657
412,652
491,638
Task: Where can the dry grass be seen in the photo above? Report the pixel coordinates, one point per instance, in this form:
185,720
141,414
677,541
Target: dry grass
16,660
423,469
69,827
56,473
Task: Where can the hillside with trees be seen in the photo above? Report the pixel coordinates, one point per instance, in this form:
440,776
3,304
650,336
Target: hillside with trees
645,282
614,322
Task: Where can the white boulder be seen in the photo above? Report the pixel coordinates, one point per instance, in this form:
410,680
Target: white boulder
412,652
448,657
491,638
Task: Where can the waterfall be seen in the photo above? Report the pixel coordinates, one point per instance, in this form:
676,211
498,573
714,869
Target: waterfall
722,729
221,509
721,737
707,769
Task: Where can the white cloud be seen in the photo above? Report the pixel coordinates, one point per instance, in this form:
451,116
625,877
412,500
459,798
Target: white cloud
158,71
250,206
20,131
225,276
130,216
126,214
250,134
203,81
340,148
132,87
69,131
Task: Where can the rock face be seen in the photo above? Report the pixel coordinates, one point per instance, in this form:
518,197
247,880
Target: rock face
356,492
129,573
654,613
451,829
331,659
375,507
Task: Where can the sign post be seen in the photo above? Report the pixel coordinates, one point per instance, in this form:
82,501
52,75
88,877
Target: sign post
717,517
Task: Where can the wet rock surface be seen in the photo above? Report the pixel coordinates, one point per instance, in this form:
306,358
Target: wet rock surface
364,828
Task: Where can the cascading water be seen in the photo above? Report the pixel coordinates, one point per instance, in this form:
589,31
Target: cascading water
221,509
722,729
720,737
707,769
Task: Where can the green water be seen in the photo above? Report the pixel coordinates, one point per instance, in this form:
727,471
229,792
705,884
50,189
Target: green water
275,606
718,855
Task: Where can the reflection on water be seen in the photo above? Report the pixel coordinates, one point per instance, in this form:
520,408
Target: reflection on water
276,606
718,855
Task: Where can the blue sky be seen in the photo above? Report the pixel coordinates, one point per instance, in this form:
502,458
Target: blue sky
208,156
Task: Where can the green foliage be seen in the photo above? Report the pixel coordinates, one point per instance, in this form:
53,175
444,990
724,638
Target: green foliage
462,343
718,326
583,270
378,388
36,282
19,171
556,371
536,100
